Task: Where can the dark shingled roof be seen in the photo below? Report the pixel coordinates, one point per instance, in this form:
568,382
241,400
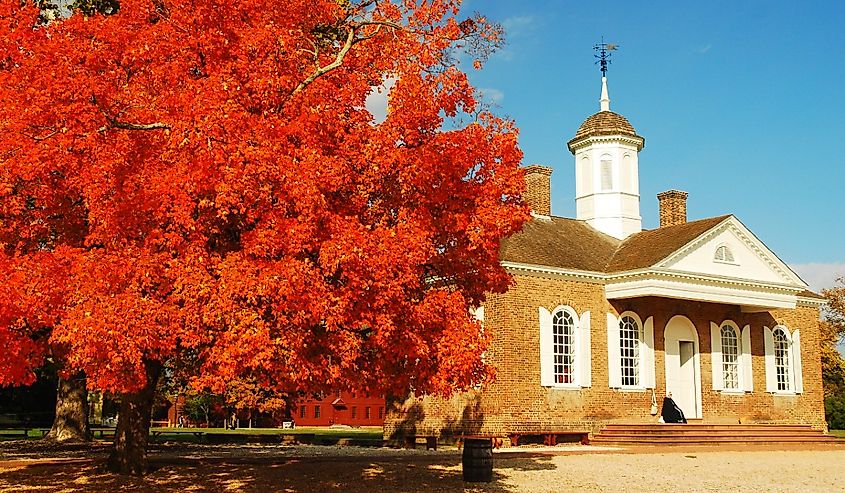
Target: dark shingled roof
573,244
560,242
649,247
605,123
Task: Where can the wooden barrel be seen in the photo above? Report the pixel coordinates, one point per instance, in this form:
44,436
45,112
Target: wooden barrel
478,460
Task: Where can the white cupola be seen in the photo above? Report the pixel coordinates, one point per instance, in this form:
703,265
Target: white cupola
607,190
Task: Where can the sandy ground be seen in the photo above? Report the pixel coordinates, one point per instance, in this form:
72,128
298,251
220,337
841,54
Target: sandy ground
351,469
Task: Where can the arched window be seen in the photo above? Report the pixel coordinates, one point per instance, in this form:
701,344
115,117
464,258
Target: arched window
724,254
784,374
564,348
730,358
781,350
629,349
563,336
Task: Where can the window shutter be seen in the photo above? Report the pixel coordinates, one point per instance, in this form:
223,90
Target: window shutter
796,362
546,349
716,356
648,353
614,373
586,352
745,359
771,378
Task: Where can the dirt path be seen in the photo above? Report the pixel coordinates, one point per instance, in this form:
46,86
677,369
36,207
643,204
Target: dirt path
350,469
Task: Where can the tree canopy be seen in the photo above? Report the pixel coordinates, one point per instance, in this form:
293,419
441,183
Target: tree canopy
832,334
190,177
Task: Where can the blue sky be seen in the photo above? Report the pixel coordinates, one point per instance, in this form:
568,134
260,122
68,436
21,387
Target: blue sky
741,104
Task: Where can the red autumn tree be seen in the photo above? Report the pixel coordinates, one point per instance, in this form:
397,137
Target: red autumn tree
203,178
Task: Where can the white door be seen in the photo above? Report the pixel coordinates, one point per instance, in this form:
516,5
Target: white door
685,393
683,379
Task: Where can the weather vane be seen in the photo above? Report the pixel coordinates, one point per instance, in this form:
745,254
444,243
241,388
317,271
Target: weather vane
602,54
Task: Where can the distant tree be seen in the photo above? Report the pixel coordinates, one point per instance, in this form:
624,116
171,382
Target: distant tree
200,406
180,176
833,365
832,334
247,395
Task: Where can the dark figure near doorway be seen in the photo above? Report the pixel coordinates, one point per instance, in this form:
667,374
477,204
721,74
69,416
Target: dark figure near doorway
671,413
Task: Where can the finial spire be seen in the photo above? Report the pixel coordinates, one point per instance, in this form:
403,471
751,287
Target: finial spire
605,99
602,53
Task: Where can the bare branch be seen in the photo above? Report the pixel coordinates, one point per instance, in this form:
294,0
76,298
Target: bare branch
338,61
39,138
378,23
140,126
113,122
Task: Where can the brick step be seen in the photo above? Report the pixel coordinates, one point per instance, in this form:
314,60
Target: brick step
719,434
738,441
736,431
725,427
715,438
666,434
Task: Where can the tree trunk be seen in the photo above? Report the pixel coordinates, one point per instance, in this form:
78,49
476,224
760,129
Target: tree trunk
71,422
129,455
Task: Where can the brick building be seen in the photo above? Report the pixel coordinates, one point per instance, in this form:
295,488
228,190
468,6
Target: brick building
340,408
603,317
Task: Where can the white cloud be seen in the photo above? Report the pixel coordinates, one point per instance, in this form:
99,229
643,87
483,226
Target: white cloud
376,102
518,25
704,49
491,95
818,275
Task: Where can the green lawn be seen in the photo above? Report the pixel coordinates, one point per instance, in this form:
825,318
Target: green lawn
838,433
369,433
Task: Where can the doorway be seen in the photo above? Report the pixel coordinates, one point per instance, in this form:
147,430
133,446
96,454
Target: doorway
683,378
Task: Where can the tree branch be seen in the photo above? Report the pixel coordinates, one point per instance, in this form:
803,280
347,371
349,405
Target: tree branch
338,61
115,123
39,138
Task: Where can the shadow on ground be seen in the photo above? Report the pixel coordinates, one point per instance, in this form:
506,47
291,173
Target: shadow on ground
347,474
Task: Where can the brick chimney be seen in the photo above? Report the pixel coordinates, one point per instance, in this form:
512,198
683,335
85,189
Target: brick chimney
538,190
673,207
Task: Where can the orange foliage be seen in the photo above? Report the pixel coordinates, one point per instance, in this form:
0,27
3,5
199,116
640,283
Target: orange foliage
194,176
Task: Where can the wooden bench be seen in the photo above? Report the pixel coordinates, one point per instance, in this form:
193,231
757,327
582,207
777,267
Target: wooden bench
496,441
157,433
5,432
103,432
430,441
550,438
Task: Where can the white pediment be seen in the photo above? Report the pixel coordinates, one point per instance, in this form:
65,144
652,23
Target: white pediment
730,250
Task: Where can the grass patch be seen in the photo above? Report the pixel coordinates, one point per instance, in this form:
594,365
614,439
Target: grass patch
838,433
328,434
371,433
319,434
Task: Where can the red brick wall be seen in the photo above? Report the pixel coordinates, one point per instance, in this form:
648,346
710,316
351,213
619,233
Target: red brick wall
354,411
673,207
538,189
517,402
